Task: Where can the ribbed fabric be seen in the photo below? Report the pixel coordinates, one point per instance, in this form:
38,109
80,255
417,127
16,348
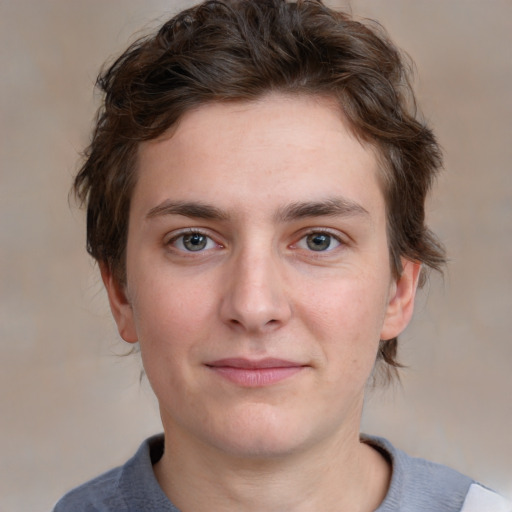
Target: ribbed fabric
129,488
416,485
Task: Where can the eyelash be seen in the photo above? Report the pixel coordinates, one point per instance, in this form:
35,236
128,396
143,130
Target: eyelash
209,240
191,232
322,231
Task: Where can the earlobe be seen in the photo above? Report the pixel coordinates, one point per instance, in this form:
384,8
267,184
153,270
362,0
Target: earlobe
119,305
401,301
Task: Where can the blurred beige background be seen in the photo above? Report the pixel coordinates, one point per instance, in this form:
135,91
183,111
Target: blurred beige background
71,407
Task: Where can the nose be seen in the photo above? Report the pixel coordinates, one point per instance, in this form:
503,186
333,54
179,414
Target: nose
255,299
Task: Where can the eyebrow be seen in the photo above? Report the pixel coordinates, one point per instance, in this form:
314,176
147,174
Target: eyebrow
187,209
294,211
327,208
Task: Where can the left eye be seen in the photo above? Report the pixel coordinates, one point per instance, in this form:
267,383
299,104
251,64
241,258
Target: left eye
193,242
319,242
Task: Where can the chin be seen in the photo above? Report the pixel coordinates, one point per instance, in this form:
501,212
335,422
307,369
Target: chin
259,434
257,445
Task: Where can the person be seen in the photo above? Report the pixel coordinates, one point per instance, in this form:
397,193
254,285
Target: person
255,193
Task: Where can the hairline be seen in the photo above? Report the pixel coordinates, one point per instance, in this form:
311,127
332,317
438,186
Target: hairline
334,98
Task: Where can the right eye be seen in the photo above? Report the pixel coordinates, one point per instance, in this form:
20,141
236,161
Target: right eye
320,241
193,241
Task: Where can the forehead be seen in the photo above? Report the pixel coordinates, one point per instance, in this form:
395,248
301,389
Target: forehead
293,148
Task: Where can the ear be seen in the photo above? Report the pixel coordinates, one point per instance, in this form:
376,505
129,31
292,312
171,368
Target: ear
401,300
119,305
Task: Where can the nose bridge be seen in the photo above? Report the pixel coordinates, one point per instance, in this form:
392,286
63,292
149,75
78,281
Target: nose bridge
255,297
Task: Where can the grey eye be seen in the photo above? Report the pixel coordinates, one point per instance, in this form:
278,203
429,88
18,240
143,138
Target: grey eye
192,241
195,242
319,241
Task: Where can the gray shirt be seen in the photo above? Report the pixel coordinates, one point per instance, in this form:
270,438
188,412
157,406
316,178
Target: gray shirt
416,485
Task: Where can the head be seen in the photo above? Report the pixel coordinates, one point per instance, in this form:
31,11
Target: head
241,51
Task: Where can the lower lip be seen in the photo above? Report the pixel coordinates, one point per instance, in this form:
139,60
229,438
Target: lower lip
256,377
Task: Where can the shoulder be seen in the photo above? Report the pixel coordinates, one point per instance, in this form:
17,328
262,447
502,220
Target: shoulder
99,494
131,487
422,486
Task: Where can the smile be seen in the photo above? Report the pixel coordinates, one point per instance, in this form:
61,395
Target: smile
250,373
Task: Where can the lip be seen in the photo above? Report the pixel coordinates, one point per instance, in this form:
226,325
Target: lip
255,373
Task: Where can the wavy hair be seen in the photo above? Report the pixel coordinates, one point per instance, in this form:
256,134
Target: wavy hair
240,50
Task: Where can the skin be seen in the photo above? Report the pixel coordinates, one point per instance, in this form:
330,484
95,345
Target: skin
296,267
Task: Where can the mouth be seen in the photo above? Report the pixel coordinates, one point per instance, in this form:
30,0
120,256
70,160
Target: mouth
255,373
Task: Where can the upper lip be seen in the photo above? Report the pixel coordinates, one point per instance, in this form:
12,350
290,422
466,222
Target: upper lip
251,364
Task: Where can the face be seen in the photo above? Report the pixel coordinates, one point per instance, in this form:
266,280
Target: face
258,275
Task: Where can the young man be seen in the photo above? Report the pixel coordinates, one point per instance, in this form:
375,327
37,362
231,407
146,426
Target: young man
255,195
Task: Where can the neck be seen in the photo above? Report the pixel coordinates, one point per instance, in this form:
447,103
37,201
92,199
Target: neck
338,475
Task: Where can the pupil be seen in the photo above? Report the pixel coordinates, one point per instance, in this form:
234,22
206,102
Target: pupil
194,242
319,242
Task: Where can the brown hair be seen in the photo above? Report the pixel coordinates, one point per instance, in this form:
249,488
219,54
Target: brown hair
239,50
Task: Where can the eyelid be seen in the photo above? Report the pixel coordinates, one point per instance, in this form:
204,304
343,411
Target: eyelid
172,237
342,239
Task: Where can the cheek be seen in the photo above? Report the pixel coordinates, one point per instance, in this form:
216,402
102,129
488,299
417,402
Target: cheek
348,316
163,299
170,330
170,321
